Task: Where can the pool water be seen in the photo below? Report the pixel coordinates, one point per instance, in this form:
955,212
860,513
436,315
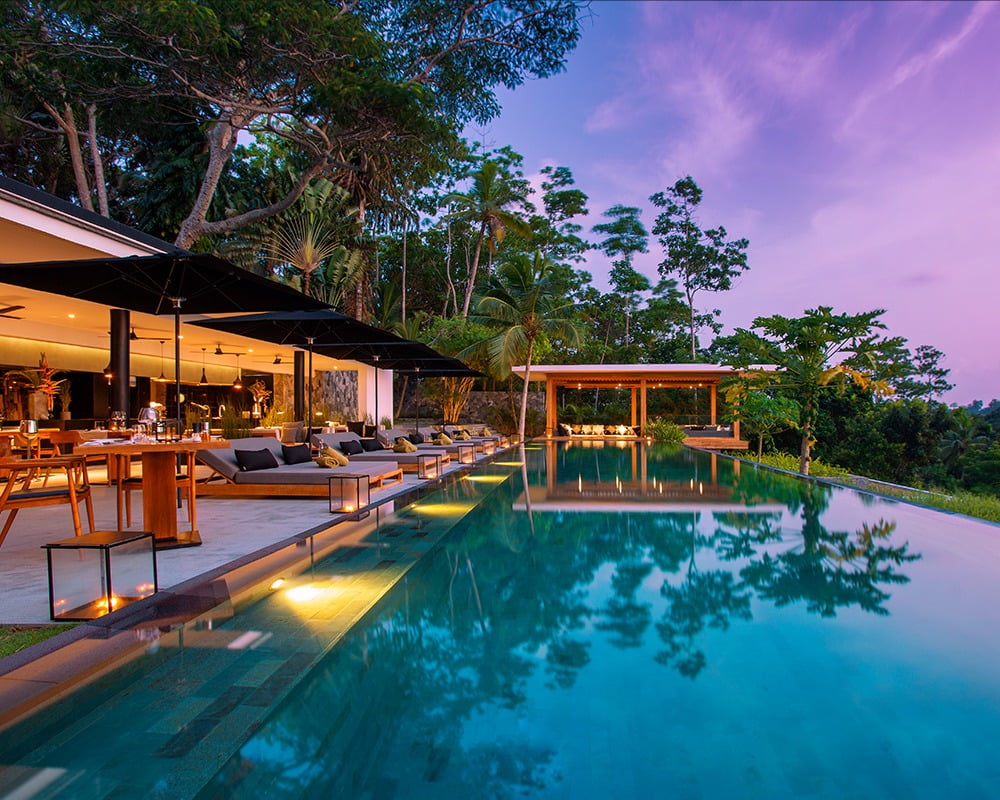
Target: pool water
596,621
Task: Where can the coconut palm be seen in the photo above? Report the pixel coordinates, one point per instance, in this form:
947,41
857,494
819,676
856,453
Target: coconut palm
484,205
524,302
966,435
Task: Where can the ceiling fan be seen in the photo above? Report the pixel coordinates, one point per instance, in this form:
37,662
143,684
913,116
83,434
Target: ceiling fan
5,312
134,337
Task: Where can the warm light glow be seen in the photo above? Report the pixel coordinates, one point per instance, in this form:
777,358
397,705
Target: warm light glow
509,463
102,605
71,316
486,478
303,594
347,509
144,588
277,583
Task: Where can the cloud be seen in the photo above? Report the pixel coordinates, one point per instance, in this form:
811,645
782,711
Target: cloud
917,64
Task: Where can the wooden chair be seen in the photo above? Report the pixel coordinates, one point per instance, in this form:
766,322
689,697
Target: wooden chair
63,443
17,492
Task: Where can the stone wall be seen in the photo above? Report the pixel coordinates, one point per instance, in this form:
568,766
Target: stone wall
335,394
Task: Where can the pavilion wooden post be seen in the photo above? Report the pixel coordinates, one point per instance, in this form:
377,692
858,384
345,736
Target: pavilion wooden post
711,402
550,407
632,390
643,407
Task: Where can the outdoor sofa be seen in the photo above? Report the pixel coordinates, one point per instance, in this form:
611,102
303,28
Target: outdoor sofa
376,451
303,479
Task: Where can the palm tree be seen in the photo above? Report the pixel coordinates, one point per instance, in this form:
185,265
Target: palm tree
523,301
484,206
314,233
966,435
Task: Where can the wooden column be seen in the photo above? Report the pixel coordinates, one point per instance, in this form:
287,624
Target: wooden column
713,391
632,423
643,406
550,407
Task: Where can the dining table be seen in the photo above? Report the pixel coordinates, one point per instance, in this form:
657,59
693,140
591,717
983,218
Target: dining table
159,483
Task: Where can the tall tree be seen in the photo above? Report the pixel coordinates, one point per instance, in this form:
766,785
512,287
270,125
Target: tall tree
352,86
486,206
814,353
702,259
523,303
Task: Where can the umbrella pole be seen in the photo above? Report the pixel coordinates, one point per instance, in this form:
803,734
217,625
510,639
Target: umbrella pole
416,427
309,378
177,362
375,421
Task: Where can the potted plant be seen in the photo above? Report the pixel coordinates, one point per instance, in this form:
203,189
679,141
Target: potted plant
42,386
65,398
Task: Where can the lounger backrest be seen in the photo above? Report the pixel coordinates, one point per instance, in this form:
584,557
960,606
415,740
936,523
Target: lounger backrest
389,437
333,439
223,460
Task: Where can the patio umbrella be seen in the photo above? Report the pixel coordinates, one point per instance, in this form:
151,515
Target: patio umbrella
325,331
166,283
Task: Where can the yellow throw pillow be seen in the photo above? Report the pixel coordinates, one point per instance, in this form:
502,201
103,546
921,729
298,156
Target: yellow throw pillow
463,436
442,438
404,445
485,432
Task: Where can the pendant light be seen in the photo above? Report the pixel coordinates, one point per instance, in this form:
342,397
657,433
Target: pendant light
162,378
238,383
204,377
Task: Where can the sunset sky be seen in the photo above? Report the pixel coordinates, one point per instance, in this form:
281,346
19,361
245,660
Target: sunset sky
856,145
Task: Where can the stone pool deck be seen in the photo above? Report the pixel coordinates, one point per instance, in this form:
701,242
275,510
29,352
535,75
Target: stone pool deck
230,528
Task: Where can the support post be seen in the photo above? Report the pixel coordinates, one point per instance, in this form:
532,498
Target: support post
550,407
643,406
120,361
299,385
713,391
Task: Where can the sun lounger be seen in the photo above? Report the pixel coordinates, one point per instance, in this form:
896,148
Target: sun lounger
407,461
306,479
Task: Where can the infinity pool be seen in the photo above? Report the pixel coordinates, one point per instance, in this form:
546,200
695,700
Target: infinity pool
594,621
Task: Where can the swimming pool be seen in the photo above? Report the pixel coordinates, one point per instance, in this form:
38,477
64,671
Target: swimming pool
599,620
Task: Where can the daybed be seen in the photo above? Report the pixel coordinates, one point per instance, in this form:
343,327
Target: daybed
407,461
305,479
423,443
500,441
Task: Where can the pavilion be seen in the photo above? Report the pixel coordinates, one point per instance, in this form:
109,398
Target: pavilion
639,379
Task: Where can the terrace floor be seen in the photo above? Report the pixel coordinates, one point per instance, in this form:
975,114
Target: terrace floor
230,528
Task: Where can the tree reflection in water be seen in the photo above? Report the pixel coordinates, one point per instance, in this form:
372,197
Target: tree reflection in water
509,606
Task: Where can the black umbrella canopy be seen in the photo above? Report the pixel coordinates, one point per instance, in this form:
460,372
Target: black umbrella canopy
317,331
175,283
186,283
297,328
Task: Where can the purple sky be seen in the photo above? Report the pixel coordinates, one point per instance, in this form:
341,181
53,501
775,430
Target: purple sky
856,145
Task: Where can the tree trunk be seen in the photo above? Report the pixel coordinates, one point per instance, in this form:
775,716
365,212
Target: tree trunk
221,144
805,449
67,122
760,447
524,391
473,271
95,156
406,225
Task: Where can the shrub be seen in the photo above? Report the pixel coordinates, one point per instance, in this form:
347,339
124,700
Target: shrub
664,431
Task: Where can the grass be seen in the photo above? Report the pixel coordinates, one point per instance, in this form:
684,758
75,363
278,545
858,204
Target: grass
974,505
14,638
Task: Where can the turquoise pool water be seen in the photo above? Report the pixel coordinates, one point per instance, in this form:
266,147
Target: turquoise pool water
603,621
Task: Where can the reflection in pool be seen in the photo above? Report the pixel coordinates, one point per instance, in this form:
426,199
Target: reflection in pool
646,621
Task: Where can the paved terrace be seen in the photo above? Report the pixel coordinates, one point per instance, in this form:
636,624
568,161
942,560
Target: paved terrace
231,528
